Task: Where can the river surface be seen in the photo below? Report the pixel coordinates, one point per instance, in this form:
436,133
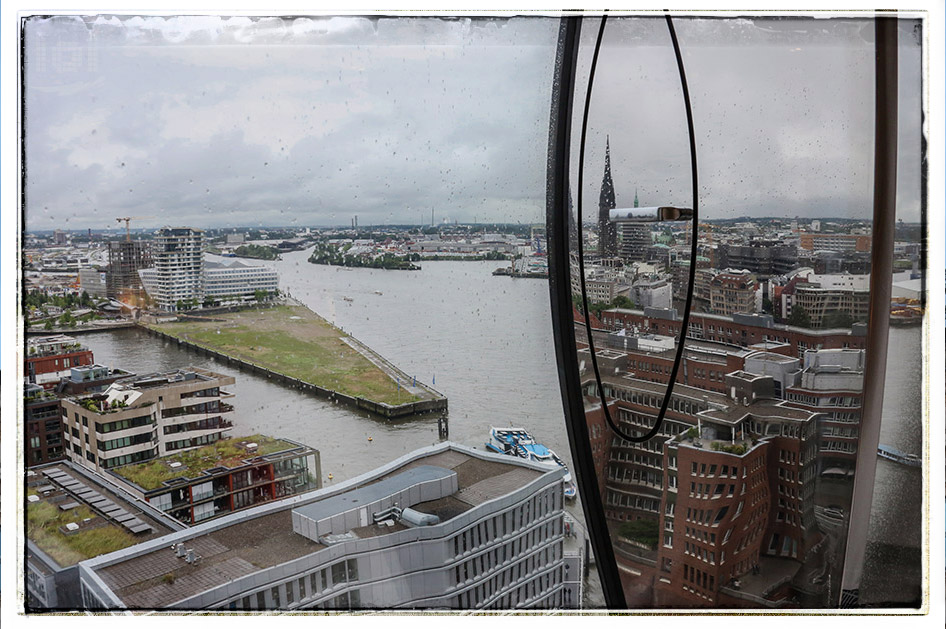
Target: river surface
486,343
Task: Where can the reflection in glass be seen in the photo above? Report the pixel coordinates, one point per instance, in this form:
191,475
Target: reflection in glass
743,499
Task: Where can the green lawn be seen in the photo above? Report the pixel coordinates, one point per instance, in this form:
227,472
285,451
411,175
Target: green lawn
44,520
305,347
151,474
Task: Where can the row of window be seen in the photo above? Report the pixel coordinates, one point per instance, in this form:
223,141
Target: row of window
507,522
641,503
473,568
701,469
306,587
202,424
700,579
534,588
702,490
125,459
199,440
123,424
124,442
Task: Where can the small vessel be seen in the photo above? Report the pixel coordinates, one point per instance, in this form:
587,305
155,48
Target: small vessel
892,454
377,292
348,299
519,442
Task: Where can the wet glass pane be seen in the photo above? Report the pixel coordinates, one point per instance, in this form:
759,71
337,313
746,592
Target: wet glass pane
335,228
743,498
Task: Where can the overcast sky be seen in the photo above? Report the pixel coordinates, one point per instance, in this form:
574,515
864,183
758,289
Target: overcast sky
215,121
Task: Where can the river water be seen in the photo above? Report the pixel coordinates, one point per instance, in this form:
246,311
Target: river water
486,343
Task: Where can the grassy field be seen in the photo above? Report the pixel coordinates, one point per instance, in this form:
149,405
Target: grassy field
43,521
151,474
294,341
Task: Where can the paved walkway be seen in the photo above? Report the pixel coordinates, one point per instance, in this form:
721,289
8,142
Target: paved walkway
420,390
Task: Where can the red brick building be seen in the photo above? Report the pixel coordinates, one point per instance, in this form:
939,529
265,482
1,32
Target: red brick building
730,481
741,331
50,358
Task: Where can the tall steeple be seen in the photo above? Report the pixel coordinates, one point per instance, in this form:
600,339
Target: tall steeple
635,198
607,233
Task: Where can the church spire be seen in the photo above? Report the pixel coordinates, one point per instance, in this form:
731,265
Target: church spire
607,232
635,198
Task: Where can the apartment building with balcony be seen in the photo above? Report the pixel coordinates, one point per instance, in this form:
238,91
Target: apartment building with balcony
445,527
178,275
140,418
51,358
229,475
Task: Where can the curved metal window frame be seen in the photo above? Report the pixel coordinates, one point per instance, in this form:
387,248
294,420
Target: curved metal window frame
884,216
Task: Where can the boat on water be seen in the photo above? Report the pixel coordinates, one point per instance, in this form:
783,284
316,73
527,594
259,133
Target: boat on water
892,454
349,299
519,442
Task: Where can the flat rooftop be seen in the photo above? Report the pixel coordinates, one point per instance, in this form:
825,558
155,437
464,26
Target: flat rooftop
764,408
658,388
104,520
158,578
226,453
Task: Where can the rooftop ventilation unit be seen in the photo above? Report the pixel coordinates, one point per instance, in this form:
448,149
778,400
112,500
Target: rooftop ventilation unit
179,550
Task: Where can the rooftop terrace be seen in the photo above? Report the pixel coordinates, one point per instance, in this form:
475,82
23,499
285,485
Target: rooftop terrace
229,453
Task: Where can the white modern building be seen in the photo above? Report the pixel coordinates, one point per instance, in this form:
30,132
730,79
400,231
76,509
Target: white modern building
445,527
178,256
236,280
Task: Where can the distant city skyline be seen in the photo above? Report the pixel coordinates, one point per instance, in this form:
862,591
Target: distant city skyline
210,121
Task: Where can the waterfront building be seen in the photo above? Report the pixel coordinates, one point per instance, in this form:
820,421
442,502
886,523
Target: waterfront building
73,515
728,483
607,230
236,280
50,358
733,292
125,259
140,418
764,258
445,527
831,383
90,379
739,503
739,330
178,267
226,476
834,242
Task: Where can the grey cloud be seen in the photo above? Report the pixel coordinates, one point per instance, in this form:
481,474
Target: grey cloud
311,121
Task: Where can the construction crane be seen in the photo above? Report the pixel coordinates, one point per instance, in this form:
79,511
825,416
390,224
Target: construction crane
127,220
